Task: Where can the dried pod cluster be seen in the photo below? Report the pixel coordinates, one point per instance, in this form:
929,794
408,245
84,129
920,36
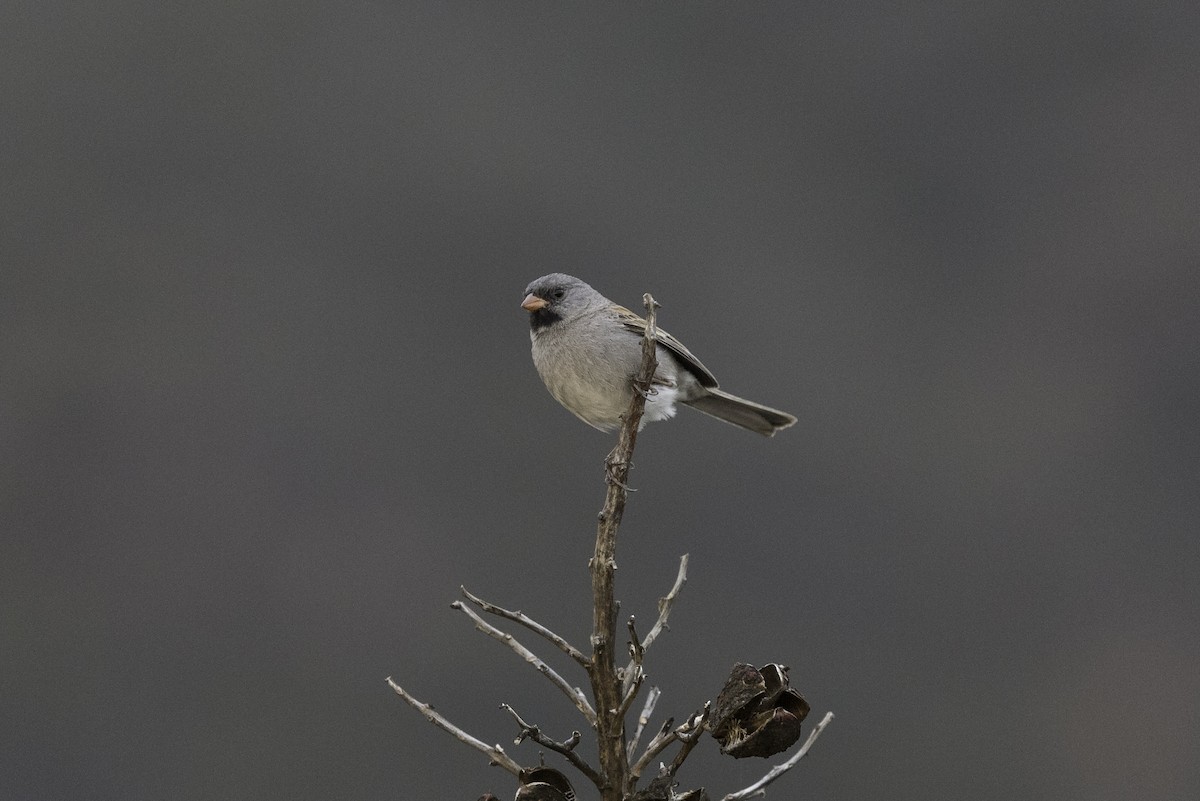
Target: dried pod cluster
544,784
757,714
662,789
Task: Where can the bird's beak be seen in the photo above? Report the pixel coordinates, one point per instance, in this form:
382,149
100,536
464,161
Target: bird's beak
532,303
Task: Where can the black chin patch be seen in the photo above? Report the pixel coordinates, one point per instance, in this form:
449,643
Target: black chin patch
542,318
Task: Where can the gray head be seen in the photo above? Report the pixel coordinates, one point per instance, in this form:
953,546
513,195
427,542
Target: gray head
556,297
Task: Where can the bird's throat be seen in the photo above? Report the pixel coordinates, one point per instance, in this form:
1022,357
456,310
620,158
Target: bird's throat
543,318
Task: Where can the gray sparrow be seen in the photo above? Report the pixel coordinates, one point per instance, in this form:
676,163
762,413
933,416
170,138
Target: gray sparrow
587,350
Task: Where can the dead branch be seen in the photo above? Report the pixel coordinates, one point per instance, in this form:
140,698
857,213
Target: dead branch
638,649
574,693
567,748
529,623
495,753
644,718
665,604
691,729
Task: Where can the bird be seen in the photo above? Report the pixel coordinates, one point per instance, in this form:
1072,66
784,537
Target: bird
587,350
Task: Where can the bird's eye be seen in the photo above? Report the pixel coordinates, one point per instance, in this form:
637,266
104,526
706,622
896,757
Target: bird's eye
559,294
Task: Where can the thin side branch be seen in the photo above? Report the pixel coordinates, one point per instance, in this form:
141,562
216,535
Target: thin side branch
529,623
634,674
644,718
665,604
689,740
495,753
635,644
757,789
638,650
631,693
689,732
666,735
574,693
567,748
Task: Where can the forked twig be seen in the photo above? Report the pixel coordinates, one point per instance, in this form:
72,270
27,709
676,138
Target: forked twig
567,748
665,603
664,612
574,693
689,740
529,623
495,753
688,732
632,692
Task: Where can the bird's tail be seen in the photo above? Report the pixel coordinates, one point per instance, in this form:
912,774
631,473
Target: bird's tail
741,412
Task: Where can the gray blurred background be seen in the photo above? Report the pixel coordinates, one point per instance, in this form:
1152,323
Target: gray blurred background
266,398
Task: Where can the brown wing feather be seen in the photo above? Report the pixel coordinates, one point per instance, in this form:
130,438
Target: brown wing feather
636,324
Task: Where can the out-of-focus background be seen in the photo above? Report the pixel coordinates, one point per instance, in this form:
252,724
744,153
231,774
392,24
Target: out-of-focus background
266,398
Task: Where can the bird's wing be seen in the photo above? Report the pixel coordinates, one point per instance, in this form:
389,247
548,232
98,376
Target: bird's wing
693,365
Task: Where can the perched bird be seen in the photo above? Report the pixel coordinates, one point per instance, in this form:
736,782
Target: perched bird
587,350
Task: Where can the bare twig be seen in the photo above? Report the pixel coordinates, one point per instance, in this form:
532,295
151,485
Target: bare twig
635,645
630,694
633,675
688,732
567,748
757,788
665,604
644,718
606,684
574,693
689,739
495,753
529,623
665,736
637,650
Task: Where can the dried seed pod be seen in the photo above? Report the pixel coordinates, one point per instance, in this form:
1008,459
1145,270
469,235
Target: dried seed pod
744,686
757,714
544,784
660,789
